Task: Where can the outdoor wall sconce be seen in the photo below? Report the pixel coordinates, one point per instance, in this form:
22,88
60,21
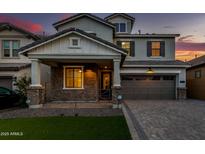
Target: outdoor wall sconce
150,70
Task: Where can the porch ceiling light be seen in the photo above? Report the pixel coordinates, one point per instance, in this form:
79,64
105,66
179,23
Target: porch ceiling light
149,71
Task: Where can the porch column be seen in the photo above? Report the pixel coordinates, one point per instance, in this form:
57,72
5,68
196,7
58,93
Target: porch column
35,93
116,76
35,73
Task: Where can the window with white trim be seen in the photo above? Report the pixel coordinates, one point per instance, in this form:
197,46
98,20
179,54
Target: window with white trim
10,48
73,77
75,42
121,27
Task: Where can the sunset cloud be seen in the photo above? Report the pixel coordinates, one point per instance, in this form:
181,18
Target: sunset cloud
188,55
28,25
187,48
168,27
190,46
187,38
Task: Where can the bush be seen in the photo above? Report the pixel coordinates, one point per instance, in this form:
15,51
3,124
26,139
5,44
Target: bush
21,88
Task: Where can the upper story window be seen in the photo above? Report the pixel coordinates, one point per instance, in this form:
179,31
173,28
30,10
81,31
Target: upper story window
73,77
121,27
156,48
75,42
10,48
198,74
126,46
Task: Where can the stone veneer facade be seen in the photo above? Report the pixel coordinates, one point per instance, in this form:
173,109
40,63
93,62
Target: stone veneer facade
35,96
88,94
181,93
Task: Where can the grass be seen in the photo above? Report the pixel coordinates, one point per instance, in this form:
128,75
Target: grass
65,128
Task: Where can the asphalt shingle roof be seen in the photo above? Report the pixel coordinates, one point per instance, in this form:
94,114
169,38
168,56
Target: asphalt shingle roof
13,66
9,26
72,30
197,61
79,15
155,62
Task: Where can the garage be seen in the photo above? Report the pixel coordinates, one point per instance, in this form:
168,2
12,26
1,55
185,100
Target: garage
6,81
148,87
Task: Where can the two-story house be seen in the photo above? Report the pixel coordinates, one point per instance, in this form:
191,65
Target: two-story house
13,65
94,59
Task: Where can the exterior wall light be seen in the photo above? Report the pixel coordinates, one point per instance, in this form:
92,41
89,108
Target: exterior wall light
149,71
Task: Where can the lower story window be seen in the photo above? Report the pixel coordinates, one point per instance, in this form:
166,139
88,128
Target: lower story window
73,77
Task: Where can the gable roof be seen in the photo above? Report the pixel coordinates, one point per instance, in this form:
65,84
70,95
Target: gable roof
9,26
80,15
120,14
197,61
68,31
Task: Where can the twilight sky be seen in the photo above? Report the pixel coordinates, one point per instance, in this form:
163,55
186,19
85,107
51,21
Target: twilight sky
191,27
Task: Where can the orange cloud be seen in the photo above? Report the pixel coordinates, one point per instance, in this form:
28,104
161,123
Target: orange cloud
188,55
28,25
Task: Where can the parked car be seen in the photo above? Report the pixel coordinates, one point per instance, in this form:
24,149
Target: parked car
8,98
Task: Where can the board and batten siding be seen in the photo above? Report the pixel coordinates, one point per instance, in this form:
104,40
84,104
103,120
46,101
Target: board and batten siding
88,25
61,46
141,48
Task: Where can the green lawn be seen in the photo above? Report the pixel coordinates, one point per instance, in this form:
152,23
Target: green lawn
65,128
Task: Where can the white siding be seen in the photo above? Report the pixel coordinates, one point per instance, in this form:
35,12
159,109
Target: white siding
141,48
13,35
61,46
120,19
179,72
87,24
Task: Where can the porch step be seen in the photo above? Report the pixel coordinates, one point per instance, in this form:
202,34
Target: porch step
77,105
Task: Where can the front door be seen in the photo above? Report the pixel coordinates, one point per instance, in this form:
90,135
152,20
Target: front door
105,86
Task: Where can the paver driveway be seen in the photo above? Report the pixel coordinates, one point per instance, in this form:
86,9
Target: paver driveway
168,119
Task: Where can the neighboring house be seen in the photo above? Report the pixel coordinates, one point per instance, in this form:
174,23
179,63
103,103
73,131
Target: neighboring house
196,78
94,59
13,65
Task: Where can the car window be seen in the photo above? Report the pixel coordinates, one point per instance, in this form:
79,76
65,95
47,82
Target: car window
4,91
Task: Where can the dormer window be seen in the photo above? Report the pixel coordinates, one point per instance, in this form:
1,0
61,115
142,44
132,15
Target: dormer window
10,48
74,42
121,27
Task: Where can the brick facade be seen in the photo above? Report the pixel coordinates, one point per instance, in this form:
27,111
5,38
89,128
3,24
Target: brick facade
88,94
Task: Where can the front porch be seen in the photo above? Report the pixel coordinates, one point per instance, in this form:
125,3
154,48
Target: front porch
84,68
93,81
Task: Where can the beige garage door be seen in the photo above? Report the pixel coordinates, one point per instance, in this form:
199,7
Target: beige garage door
148,87
6,81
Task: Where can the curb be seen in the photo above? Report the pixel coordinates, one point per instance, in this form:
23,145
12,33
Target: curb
135,128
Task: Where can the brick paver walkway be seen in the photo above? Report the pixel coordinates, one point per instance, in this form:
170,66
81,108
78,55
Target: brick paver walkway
169,119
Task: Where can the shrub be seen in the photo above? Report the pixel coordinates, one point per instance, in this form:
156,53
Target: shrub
21,88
